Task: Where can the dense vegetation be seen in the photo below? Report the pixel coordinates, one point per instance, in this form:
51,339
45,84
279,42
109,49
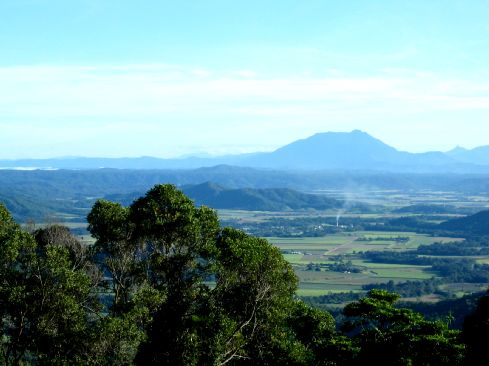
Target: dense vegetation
164,284
252,199
474,225
261,199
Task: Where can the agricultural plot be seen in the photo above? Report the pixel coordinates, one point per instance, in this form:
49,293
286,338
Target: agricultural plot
483,260
311,257
346,243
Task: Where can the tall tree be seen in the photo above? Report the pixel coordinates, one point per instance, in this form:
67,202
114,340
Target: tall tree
179,239
223,295
254,289
46,297
387,335
117,255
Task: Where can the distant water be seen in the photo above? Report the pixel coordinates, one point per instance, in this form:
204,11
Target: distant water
26,168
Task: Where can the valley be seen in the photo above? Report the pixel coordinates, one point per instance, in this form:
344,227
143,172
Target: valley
423,235
328,249
326,233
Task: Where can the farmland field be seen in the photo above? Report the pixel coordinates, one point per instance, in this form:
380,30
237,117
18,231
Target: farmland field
322,260
301,252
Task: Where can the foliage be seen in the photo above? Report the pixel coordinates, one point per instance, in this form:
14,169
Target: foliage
220,295
166,284
401,336
46,300
408,288
473,225
455,309
476,331
114,252
264,199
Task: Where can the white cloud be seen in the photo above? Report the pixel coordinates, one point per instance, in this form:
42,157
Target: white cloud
167,106
154,90
246,73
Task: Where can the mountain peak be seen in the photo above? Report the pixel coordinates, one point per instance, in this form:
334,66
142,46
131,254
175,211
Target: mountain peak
333,133
337,150
457,150
355,150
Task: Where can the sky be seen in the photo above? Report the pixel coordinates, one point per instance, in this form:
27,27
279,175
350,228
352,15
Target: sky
113,78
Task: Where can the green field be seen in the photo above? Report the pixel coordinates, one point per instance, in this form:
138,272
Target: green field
329,249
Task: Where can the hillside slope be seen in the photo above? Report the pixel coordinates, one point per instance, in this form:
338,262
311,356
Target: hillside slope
477,224
265,199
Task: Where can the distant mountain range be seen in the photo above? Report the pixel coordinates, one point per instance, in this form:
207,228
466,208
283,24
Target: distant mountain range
347,151
478,155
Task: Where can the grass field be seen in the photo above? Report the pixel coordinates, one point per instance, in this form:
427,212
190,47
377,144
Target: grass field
329,249
318,250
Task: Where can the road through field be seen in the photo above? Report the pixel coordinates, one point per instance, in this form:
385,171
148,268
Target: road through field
331,251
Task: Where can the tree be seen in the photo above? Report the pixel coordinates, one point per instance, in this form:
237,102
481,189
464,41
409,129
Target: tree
254,288
314,330
476,331
177,289
223,295
115,252
46,297
162,246
387,335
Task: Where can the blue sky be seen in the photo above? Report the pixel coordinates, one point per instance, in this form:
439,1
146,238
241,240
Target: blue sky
168,78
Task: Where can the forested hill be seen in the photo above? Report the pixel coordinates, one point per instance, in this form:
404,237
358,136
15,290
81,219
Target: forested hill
477,224
253,199
39,194
106,181
267,199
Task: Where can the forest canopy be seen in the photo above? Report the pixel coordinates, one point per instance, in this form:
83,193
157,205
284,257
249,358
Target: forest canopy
164,283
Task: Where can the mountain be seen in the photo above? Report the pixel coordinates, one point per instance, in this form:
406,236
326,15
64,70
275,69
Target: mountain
456,151
252,199
265,199
477,224
346,151
478,155
355,150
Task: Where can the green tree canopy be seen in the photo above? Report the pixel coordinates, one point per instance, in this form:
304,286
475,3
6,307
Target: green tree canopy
220,296
387,335
165,284
46,298
476,331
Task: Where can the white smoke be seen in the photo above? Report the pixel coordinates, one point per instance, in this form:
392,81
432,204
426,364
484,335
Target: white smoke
352,193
